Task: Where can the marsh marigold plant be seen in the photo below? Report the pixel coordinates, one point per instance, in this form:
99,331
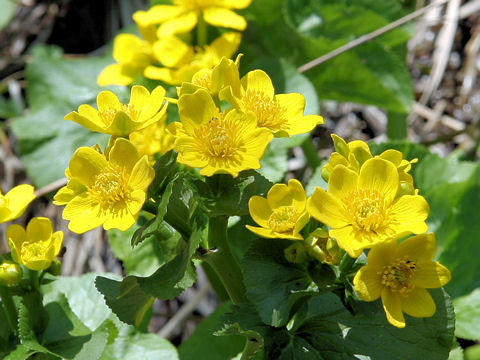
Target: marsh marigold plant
115,118
105,191
282,114
15,201
216,142
282,214
37,245
363,209
400,275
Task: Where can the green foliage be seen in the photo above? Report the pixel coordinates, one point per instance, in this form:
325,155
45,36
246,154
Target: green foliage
273,284
7,13
56,86
203,345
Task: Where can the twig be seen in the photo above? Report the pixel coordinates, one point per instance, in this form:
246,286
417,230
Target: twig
367,37
443,47
182,314
51,187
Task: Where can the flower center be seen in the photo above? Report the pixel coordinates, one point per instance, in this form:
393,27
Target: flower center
108,115
111,186
34,251
268,111
194,4
204,81
398,276
283,219
367,209
218,139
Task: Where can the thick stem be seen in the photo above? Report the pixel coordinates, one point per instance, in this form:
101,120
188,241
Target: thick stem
202,31
35,281
222,260
9,307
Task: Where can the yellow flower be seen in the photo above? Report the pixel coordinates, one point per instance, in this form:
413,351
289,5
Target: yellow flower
214,141
282,214
105,191
132,55
363,209
399,274
181,61
14,202
184,14
36,247
354,154
153,139
115,118
10,273
222,77
282,114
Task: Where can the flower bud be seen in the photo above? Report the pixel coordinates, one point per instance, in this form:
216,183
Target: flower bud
10,273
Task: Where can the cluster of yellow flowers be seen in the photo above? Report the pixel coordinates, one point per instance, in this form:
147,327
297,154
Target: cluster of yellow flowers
36,247
164,53
109,188
370,203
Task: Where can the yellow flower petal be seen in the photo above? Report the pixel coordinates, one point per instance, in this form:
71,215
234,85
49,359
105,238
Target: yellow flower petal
68,192
326,208
418,248
224,18
88,117
349,239
260,210
119,218
258,80
418,303
114,75
379,175
84,214
342,181
286,195
181,24
124,154
17,200
122,125
57,240
392,306
16,236
172,52
135,203
431,275
410,213
39,228
236,4
142,175
382,254
196,109
85,164
226,44
367,282
106,100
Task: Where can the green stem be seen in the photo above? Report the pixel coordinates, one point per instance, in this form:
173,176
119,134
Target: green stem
217,285
397,126
9,307
311,153
222,260
202,31
35,281
150,206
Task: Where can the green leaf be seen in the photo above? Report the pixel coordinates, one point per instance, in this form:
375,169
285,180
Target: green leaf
372,73
21,352
56,85
229,196
7,13
145,258
204,345
325,327
467,310
130,298
273,284
132,344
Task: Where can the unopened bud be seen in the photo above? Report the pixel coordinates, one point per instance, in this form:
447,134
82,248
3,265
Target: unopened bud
10,273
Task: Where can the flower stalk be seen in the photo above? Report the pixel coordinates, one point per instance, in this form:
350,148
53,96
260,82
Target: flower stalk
222,260
9,307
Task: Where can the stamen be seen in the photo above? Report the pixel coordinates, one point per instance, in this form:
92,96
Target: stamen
398,276
268,111
366,208
111,186
33,251
108,115
283,219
